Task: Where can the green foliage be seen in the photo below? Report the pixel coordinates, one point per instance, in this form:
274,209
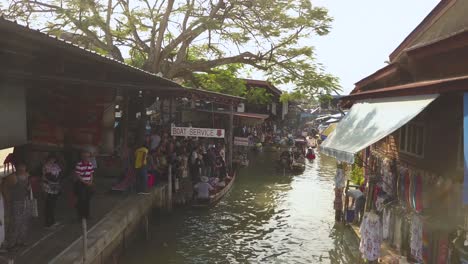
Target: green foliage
258,95
222,80
357,172
294,96
325,98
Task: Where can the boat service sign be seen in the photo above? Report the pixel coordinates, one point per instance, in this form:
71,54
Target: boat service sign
197,132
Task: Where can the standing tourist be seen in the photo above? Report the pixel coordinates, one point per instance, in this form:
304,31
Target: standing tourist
84,172
155,140
51,175
141,169
20,209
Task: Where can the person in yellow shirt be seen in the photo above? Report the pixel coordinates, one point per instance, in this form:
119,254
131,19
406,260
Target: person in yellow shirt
141,155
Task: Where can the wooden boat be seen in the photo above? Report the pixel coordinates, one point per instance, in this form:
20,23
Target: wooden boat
298,167
215,198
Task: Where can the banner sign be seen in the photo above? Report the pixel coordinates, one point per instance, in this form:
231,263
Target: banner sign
241,141
465,148
197,132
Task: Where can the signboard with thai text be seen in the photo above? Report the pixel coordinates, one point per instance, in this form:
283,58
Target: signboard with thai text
241,141
197,132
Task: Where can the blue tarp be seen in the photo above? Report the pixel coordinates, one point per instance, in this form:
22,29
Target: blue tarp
465,147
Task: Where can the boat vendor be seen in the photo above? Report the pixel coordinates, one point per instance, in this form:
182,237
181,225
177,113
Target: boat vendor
310,154
203,189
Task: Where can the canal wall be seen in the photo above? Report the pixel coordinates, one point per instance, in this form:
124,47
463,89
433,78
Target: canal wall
109,237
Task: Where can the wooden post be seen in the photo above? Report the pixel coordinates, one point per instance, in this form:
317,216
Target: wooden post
230,134
169,188
147,228
85,239
170,109
125,120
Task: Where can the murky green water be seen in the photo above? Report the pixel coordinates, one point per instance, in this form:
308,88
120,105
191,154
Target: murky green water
268,217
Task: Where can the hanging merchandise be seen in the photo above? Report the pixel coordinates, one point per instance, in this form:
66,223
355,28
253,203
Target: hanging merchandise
387,177
418,190
386,223
443,249
416,233
407,184
397,237
340,179
379,203
338,203
371,236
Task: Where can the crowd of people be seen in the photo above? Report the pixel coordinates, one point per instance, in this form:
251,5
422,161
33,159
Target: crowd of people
19,201
198,160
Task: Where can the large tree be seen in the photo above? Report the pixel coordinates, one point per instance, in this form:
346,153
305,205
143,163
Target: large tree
177,38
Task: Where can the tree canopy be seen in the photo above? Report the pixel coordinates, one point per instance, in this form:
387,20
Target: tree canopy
182,38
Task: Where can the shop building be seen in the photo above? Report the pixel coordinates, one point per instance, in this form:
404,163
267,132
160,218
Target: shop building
406,128
58,97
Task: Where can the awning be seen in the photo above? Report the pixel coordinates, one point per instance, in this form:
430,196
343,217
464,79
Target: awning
371,120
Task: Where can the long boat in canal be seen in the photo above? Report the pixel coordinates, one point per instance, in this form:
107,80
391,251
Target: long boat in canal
215,198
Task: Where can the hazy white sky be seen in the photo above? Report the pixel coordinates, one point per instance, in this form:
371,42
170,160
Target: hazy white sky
364,34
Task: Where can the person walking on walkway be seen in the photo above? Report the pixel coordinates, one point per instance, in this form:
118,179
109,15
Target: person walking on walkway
84,172
20,208
141,169
51,176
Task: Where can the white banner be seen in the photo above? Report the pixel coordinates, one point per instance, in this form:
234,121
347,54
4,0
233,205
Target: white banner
197,132
241,141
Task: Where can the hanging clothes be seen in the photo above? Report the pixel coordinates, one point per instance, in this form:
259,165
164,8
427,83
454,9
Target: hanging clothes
371,236
397,232
338,203
416,242
387,177
340,179
386,224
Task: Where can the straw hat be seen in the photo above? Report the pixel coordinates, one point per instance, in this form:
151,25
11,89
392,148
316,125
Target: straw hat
204,179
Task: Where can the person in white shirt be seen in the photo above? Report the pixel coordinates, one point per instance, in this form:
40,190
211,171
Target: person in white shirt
155,141
203,189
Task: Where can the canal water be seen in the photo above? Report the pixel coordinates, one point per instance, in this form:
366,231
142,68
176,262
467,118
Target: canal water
268,217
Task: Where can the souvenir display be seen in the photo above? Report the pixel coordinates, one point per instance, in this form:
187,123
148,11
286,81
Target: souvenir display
416,243
371,236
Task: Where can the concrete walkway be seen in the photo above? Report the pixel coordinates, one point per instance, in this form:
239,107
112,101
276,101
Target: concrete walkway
44,244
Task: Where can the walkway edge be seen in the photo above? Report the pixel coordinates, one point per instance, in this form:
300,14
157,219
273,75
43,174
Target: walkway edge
110,232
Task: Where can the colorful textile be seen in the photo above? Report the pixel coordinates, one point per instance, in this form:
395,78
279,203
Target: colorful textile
397,233
443,250
416,233
338,202
340,180
371,237
84,170
386,223
387,177
426,245
20,212
419,193
51,182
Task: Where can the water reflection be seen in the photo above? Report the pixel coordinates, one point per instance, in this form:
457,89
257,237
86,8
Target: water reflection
268,217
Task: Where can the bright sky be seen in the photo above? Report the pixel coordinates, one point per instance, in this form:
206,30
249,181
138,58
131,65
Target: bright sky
364,34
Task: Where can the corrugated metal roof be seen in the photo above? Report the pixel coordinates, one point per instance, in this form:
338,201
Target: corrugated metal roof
35,35
14,27
423,87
